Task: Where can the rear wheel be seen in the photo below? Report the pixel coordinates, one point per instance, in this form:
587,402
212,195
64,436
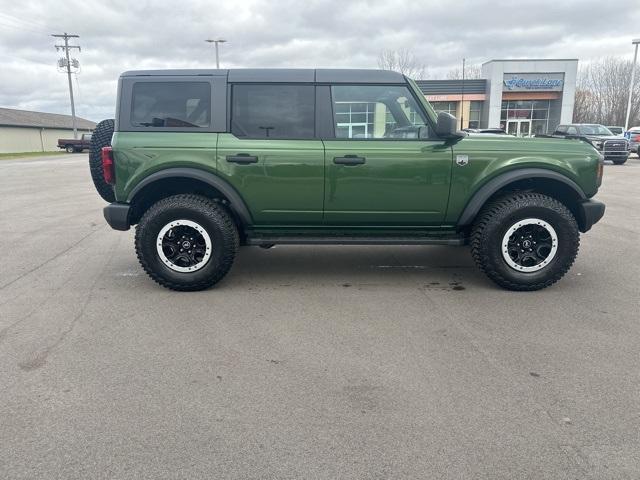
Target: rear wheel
186,242
70,149
525,241
101,137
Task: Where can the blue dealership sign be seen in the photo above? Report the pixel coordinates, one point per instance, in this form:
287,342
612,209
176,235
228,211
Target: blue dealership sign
533,81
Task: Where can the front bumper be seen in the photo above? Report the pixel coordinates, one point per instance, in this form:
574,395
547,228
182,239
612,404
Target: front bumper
589,213
616,155
117,215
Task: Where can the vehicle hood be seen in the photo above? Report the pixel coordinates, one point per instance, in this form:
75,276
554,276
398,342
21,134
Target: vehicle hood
533,145
602,138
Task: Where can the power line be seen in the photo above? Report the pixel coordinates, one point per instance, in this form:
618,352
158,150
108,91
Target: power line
22,24
66,47
22,20
22,28
80,98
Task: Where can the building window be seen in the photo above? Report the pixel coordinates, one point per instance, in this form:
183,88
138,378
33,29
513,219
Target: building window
354,119
449,107
475,112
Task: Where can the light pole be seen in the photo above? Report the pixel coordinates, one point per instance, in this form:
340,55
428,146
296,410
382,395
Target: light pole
462,99
635,42
216,42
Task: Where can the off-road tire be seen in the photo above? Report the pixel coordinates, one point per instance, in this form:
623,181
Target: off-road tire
101,137
495,219
212,216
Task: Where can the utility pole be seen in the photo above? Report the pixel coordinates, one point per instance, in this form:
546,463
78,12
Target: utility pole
635,42
66,47
216,42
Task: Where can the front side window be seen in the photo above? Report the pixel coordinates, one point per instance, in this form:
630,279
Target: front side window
273,111
375,112
171,105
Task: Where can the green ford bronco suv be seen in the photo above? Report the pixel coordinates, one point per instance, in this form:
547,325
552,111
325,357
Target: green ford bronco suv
203,161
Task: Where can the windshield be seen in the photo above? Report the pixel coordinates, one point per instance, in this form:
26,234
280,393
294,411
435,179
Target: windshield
595,130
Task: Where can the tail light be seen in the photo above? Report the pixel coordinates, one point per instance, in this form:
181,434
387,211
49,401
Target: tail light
600,173
636,138
108,167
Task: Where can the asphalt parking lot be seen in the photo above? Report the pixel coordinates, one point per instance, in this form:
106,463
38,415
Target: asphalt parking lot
308,362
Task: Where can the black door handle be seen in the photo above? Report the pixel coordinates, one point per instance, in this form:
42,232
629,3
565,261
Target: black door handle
349,160
242,159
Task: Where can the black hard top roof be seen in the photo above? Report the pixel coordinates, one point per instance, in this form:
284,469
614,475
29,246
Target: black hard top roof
302,75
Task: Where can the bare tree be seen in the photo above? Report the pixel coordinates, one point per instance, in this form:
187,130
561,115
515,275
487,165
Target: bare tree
602,93
403,61
471,72
583,108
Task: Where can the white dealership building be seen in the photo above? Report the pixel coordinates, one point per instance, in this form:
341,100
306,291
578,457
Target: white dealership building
524,97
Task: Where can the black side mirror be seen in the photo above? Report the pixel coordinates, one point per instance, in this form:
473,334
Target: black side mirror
447,126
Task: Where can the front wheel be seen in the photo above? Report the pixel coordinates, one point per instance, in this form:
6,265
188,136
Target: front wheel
525,241
186,242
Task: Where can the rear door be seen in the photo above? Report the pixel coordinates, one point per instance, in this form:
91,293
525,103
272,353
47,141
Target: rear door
272,155
166,121
383,166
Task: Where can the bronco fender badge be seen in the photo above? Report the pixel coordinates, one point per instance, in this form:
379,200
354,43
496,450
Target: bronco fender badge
462,160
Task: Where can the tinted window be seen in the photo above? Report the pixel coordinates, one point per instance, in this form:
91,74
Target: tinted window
273,111
375,111
171,104
595,130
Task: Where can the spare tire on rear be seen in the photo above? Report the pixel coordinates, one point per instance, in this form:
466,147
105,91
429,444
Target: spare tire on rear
101,137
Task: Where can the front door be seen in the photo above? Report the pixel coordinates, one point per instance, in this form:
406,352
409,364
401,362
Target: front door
271,156
519,128
378,171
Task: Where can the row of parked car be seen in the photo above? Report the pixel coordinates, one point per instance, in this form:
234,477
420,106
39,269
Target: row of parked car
613,142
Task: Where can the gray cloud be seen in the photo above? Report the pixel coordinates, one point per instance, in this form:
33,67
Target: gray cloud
122,35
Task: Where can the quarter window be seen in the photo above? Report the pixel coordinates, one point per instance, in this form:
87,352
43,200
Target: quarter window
171,105
273,111
375,112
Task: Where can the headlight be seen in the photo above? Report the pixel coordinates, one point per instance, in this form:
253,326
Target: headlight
597,144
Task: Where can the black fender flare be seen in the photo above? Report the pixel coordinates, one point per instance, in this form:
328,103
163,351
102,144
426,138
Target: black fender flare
485,192
236,203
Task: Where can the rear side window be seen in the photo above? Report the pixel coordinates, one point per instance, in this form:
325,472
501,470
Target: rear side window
171,105
273,111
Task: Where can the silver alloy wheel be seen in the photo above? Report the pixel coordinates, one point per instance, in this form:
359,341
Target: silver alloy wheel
184,246
529,245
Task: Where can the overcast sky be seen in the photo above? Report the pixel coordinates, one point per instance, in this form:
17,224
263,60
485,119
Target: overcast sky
122,35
